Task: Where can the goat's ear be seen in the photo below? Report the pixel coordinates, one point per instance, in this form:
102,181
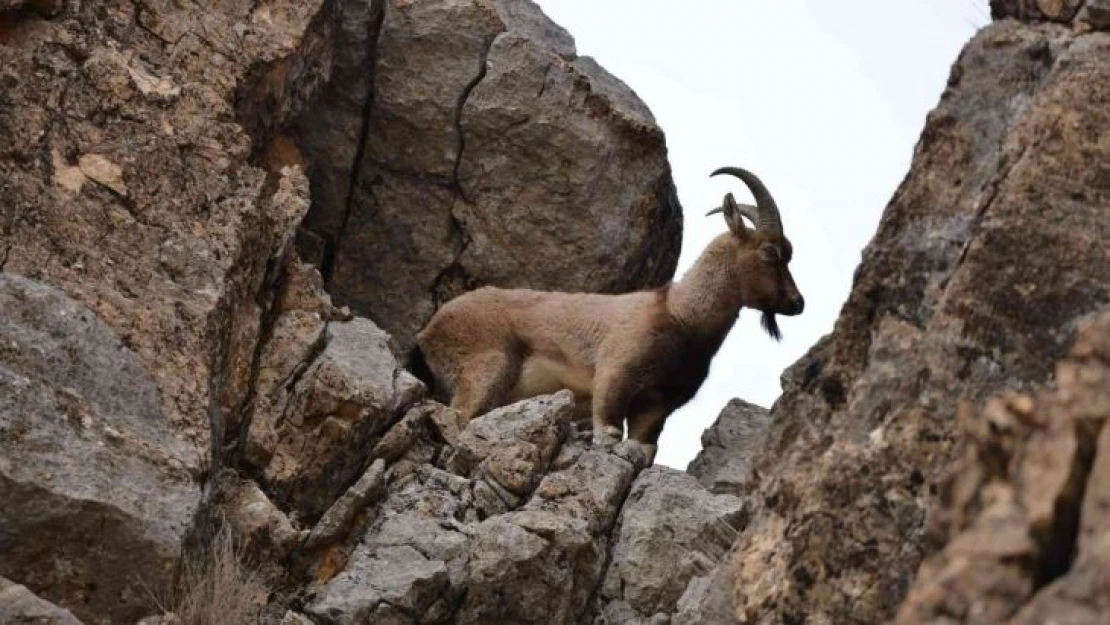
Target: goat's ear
734,217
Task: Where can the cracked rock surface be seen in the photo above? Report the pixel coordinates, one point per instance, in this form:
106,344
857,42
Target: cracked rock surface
727,447
511,161
670,532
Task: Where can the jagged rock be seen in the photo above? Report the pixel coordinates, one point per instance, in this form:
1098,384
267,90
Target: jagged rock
1055,10
90,469
512,446
19,606
1025,513
352,390
509,161
339,516
948,303
293,618
671,530
543,562
296,337
728,447
401,437
411,558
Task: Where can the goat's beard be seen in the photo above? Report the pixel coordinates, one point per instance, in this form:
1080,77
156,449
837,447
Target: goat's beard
770,325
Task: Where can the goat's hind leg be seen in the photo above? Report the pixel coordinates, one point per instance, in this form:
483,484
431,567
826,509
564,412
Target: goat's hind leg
645,428
484,383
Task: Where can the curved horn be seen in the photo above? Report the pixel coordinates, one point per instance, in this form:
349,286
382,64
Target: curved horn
769,218
747,210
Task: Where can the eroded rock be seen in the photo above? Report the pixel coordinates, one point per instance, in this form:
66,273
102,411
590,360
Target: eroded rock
542,563
1025,513
512,446
411,562
350,393
148,211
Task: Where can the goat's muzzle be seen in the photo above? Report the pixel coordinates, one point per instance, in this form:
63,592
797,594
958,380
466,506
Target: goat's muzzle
793,306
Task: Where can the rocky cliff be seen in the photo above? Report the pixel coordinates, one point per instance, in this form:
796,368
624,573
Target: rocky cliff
186,188
988,259
223,222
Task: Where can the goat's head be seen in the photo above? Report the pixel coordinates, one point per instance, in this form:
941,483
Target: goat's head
763,253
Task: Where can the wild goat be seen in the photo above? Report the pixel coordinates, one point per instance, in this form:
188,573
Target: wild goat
638,355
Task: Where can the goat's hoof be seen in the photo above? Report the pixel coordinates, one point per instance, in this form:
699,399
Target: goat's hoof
607,436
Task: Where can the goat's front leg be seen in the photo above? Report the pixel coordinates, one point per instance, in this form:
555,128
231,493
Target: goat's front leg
484,384
611,395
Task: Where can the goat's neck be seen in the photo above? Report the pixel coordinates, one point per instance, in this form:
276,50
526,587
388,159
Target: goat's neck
707,300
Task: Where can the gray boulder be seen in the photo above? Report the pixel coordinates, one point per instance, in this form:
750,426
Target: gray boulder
671,531
542,563
410,565
97,491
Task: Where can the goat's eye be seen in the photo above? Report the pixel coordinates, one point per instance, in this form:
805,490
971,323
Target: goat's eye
769,253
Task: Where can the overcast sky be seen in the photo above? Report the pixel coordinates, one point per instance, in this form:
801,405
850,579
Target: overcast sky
822,100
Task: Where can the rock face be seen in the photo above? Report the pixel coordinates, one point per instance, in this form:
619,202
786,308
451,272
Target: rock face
670,532
724,463
948,303
332,408
1025,514
90,469
156,165
510,161
124,181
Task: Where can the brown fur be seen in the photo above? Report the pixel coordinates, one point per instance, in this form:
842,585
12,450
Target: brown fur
635,356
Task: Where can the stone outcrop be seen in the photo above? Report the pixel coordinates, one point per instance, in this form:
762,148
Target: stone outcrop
509,161
728,446
670,532
991,253
522,521
1086,14
1025,515
316,421
90,469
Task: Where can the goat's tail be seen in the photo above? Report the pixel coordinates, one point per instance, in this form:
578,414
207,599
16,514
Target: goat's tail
418,366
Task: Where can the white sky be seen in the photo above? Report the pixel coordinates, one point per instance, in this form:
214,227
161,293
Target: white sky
823,100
